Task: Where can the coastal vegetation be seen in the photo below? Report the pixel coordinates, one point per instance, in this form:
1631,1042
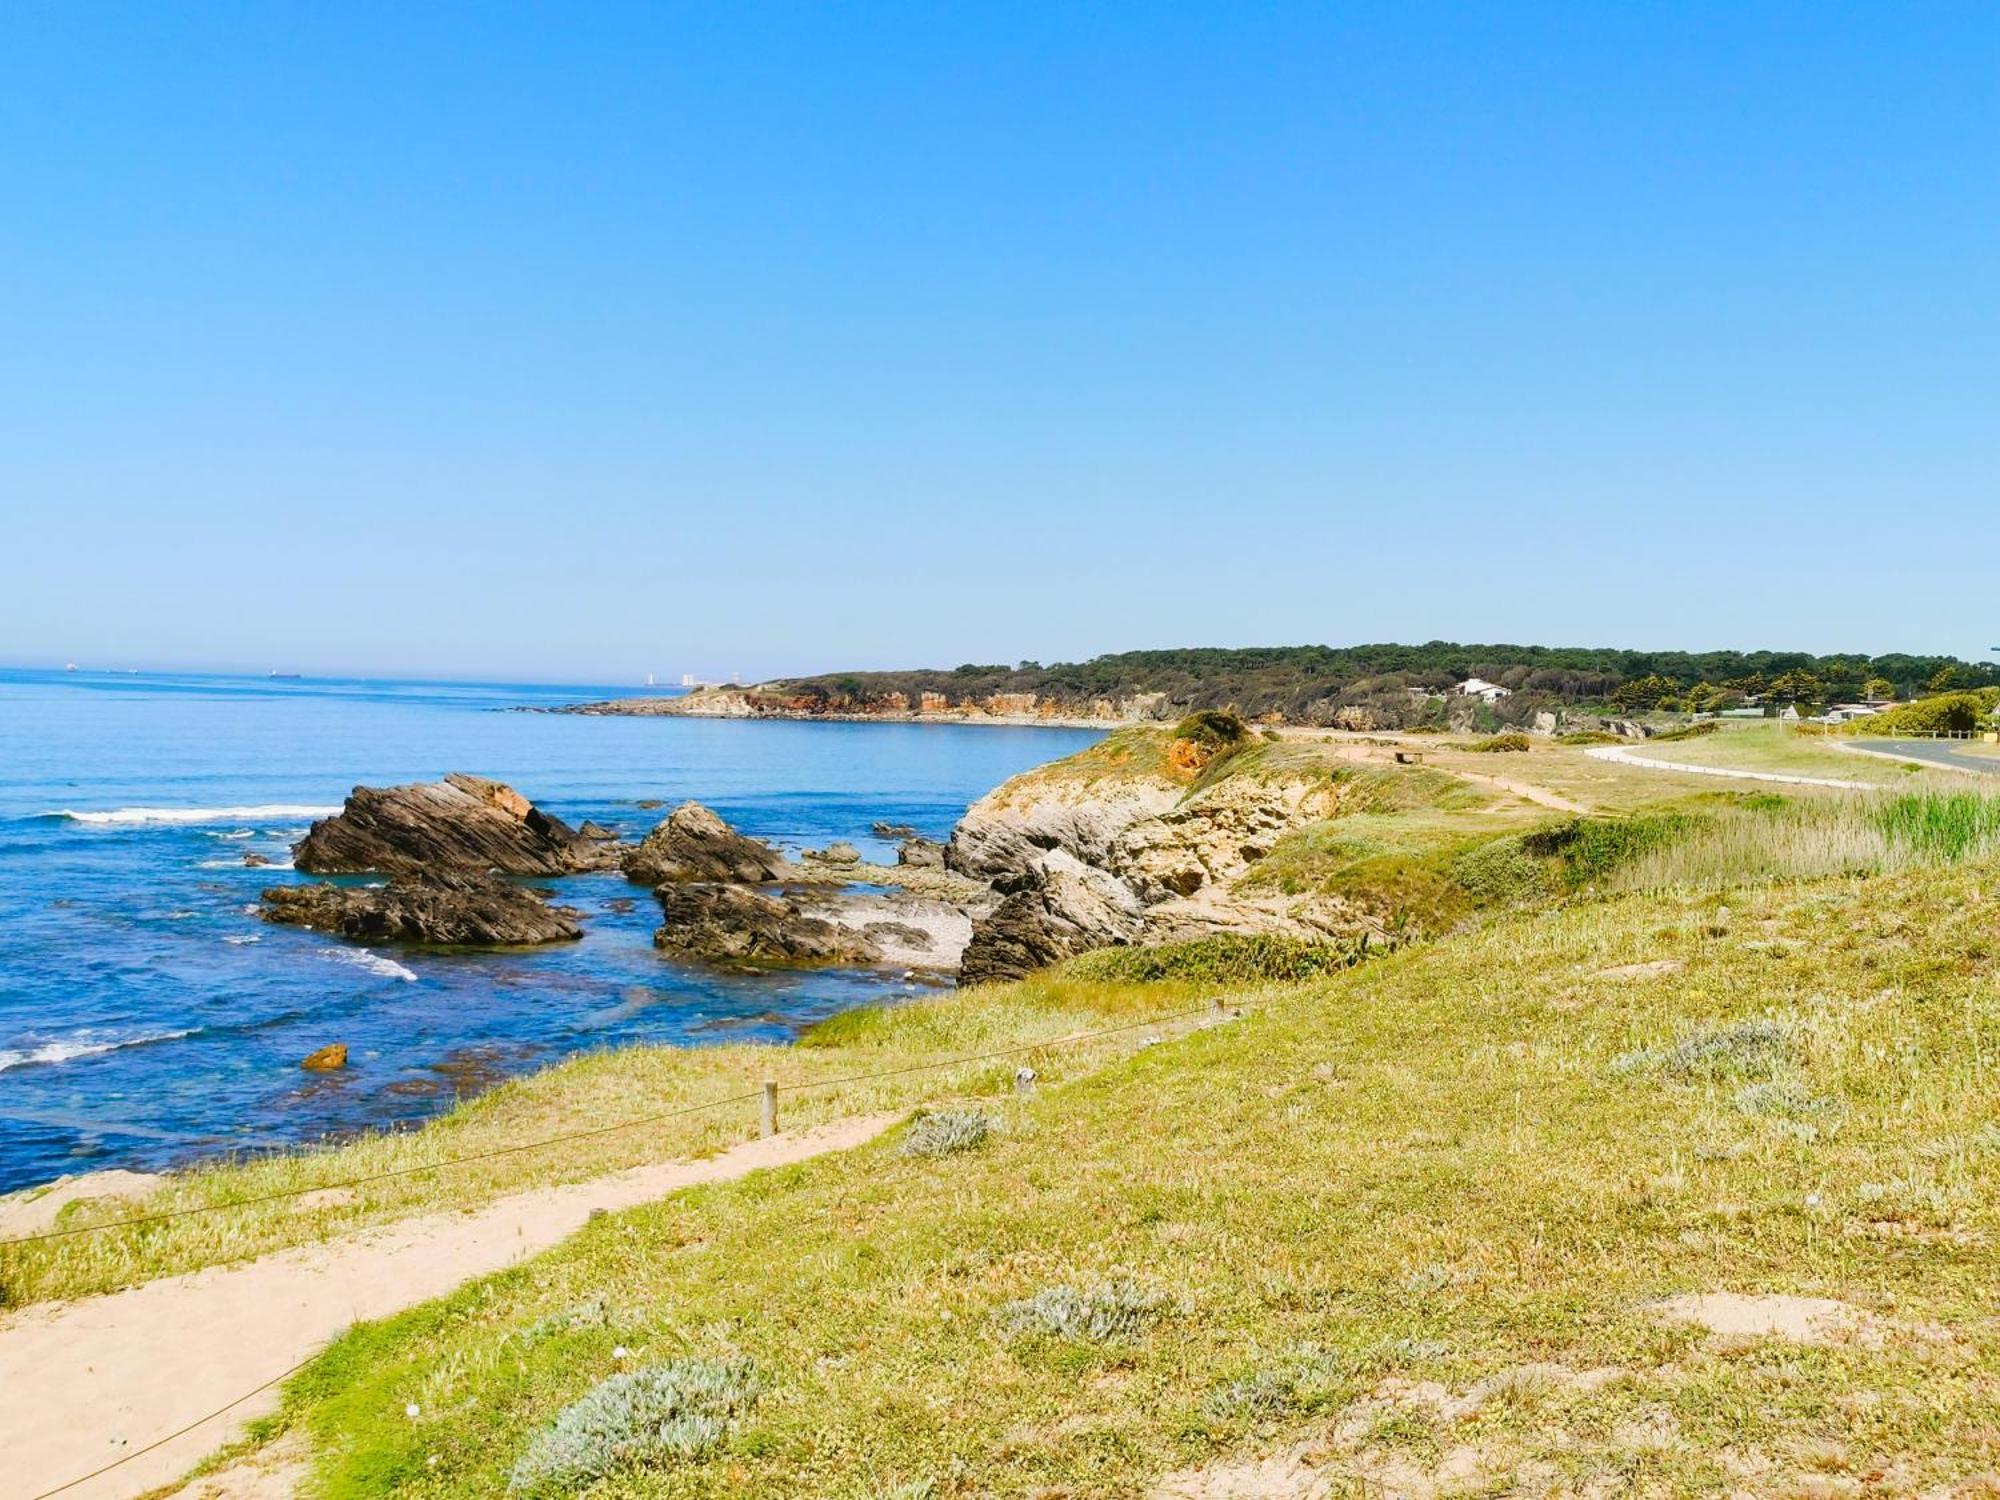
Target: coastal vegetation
1467,1214
1396,685
1595,1125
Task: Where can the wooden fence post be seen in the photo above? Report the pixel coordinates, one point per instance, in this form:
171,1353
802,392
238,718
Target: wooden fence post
770,1106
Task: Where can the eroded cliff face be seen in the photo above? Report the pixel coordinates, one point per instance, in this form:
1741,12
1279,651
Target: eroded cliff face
1129,843
777,701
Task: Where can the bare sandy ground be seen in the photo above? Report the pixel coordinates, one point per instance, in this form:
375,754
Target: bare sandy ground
88,1381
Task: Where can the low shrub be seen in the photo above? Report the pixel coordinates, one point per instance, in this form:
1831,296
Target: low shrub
1947,713
1214,729
1589,849
660,1415
1780,1098
947,1132
1096,1314
1749,1049
1225,959
1590,737
1301,1381
1695,731
1502,744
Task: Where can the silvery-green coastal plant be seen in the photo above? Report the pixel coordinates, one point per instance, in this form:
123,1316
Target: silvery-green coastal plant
947,1132
1095,1314
659,1415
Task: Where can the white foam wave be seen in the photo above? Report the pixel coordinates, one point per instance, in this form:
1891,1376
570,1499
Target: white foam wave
82,1045
132,816
237,864
243,940
374,963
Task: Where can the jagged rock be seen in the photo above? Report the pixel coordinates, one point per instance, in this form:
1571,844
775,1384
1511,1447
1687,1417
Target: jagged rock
1063,907
1006,831
475,911
893,831
252,860
921,853
463,824
694,845
593,830
327,1059
734,924
836,854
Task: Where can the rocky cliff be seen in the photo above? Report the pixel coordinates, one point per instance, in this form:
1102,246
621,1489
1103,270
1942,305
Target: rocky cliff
1142,839
776,701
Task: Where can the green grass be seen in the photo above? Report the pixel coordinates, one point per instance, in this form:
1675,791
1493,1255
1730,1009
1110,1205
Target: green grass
1225,959
1768,839
587,1093
1476,1163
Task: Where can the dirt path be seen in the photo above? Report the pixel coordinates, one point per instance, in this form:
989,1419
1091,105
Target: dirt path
1627,758
1541,796
87,1381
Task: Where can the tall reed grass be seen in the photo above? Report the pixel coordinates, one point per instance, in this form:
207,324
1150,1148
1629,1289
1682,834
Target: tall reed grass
1867,833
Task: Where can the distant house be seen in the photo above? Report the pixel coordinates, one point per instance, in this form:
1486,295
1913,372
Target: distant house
1844,713
1479,687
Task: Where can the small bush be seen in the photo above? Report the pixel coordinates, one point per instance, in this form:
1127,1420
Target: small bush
946,1133
1751,1049
1590,737
1225,959
1497,744
1096,1314
1948,713
1694,731
1590,849
1305,1380
1214,729
663,1414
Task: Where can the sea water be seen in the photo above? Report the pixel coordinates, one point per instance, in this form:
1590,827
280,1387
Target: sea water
148,1017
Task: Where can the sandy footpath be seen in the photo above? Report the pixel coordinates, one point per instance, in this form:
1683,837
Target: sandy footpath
1627,758
88,1381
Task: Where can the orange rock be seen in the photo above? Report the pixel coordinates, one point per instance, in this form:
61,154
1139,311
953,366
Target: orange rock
333,1055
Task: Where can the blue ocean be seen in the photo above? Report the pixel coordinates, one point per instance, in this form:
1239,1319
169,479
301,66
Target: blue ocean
149,1018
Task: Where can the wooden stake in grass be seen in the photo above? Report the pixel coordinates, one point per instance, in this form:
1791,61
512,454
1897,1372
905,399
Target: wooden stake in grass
770,1106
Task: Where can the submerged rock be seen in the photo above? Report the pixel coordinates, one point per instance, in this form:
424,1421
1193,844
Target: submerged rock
892,830
473,911
463,824
327,1059
734,924
694,845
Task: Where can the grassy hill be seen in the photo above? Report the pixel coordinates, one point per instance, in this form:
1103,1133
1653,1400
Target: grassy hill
1414,1223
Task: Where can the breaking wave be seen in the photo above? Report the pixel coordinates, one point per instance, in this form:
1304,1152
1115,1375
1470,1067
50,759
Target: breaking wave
374,963
133,816
80,1046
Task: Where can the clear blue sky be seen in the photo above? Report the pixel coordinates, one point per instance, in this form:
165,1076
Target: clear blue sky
585,340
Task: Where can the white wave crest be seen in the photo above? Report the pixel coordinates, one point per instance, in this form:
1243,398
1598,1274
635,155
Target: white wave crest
132,816
243,940
374,963
82,1045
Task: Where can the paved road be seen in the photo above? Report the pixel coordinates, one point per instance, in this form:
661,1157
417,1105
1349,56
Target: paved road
1937,752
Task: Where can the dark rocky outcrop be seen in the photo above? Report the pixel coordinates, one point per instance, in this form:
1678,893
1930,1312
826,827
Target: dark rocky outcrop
463,824
1061,908
474,911
694,845
892,830
734,924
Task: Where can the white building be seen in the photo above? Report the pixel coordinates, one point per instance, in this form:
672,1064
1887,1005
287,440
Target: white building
1479,687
